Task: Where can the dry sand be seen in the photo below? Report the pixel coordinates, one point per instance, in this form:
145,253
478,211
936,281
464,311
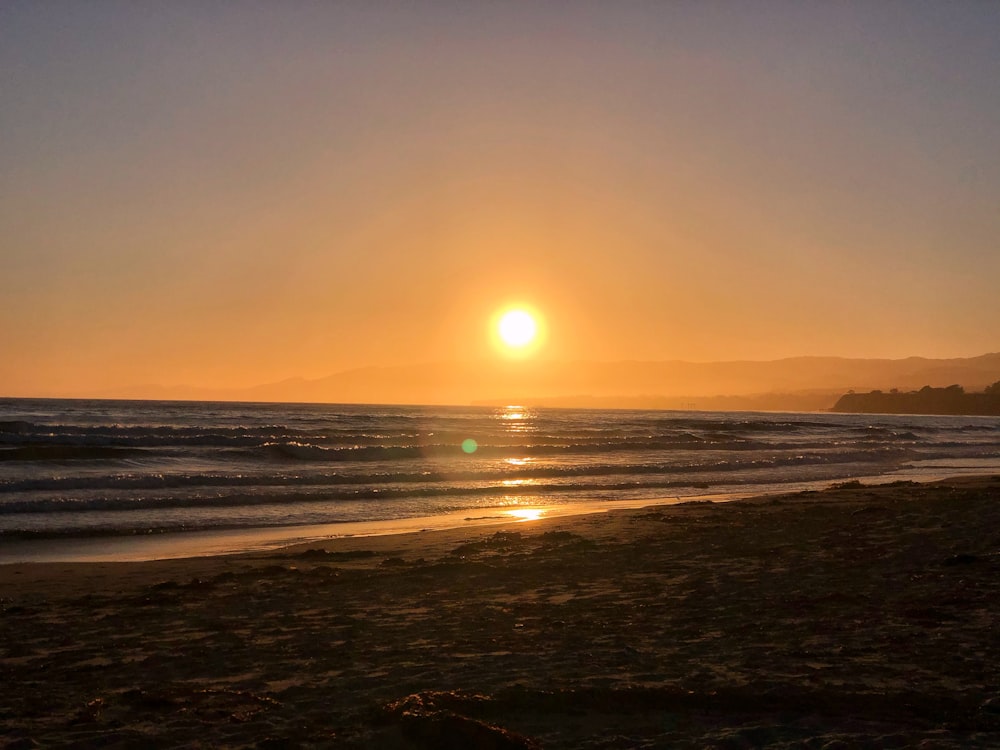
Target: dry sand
853,617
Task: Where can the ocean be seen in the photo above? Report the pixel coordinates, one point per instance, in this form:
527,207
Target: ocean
97,468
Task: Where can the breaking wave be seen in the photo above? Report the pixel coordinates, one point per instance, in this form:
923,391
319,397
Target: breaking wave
72,466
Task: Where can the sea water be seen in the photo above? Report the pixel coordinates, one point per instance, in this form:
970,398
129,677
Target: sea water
86,468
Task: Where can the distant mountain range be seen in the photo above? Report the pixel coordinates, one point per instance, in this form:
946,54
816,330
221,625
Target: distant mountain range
795,384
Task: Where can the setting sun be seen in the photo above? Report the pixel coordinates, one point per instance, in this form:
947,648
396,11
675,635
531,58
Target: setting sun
517,328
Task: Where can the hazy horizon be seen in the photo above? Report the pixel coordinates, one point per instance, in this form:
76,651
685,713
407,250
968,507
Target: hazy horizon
229,195
795,384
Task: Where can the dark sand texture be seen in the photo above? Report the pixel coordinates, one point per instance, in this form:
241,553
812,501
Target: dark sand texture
854,617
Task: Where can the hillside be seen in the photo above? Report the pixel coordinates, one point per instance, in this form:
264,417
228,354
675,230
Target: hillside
928,400
801,383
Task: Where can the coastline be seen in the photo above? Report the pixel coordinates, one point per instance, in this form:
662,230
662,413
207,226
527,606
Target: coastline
856,614
256,540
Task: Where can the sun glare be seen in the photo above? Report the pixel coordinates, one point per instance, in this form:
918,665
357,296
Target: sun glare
517,328
526,514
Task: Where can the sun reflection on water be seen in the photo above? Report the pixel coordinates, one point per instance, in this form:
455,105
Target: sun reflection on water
518,482
516,419
526,514
518,461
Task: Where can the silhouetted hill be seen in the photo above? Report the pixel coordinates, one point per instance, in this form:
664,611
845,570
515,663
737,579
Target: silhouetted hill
928,400
800,383
621,382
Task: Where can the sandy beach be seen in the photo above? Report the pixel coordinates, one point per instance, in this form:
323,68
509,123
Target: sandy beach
858,616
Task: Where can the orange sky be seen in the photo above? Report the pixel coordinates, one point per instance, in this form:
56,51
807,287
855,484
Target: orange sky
233,194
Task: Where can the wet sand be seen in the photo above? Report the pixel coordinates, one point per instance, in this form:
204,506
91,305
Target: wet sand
859,616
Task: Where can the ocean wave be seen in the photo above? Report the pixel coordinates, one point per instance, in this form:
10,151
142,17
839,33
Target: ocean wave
135,430
299,451
748,425
332,489
239,500
66,453
77,465
141,482
670,463
985,427
200,439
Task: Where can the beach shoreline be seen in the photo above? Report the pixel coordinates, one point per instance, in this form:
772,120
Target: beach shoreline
255,540
858,614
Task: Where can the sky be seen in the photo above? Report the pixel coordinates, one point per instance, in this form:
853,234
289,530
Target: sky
231,193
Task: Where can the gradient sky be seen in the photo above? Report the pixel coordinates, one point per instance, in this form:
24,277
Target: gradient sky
230,193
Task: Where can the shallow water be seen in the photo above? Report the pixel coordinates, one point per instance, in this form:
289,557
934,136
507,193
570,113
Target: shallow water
74,468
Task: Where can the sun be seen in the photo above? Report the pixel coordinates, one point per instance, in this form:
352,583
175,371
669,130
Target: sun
517,328
518,331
